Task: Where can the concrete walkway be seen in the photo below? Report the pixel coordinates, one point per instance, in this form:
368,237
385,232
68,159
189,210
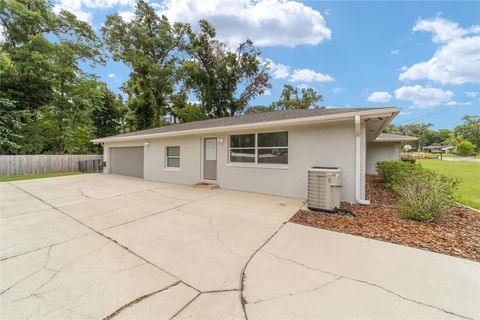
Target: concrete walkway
309,273
111,247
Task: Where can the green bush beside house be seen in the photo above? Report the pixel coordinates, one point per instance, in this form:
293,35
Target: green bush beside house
423,195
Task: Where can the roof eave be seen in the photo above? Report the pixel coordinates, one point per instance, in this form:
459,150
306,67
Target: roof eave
389,112
395,140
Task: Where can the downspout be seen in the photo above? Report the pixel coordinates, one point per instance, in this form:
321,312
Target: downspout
358,146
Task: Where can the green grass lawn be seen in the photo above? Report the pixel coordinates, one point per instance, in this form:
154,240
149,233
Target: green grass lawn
467,172
37,176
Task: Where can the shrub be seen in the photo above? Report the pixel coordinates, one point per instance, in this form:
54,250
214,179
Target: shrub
424,195
390,170
465,148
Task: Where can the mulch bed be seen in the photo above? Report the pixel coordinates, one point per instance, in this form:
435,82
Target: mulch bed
457,235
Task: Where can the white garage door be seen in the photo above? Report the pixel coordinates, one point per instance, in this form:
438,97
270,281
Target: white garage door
127,161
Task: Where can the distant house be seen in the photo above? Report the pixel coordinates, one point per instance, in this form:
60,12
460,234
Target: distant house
268,152
437,148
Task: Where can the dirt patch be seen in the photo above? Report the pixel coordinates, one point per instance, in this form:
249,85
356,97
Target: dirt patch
457,235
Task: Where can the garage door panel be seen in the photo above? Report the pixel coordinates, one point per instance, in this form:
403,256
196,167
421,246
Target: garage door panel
127,161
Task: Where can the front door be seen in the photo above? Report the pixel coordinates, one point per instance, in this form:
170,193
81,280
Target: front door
210,159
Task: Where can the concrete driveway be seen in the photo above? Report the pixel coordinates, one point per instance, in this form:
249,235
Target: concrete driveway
105,246
98,246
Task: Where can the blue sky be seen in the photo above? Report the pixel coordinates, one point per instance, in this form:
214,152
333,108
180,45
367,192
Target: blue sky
421,56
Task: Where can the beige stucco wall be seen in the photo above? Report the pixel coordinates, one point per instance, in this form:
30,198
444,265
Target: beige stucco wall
325,145
381,151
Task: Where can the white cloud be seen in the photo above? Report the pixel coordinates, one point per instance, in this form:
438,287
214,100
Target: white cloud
266,22
111,75
328,11
74,7
472,94
443,30
455,61
80,7
422,97
379,96
278,70
307,75
405,113
127,15
458,103
395,52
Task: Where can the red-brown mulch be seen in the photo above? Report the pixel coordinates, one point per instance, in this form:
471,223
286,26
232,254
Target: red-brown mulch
457,235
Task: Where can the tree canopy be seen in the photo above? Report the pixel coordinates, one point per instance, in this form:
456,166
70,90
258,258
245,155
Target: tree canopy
468,131
47,99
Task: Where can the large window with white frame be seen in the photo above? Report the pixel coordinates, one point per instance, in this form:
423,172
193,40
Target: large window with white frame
172,155
259,148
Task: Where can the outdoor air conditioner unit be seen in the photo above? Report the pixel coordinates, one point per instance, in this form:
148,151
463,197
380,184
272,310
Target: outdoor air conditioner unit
324,186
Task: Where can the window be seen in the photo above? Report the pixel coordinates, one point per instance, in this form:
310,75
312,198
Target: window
173,157
242,148
261,148
273,147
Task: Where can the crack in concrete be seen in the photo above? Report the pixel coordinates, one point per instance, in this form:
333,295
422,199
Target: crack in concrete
31,274
56,272
138,300
199,294
243,301
185,306
220,291
82,193
218,236
299,292
108,238
147,216
162,211
369,284
23,214
242,276
195,200
41,248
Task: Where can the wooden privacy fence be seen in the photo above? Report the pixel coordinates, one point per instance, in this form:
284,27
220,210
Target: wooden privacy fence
29,164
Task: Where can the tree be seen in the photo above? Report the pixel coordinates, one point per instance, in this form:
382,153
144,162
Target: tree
470,129
259,109
148,45
224,81
465,148
292,98
419,130
108,116
40,70
10,125
440,136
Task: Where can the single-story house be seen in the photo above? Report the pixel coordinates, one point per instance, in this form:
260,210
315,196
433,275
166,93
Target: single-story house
437,148
387,146
268,152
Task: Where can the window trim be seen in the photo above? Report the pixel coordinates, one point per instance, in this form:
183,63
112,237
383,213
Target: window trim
256,164
167,168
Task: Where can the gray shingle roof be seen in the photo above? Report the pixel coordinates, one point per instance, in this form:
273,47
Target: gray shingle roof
385,137
243,119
